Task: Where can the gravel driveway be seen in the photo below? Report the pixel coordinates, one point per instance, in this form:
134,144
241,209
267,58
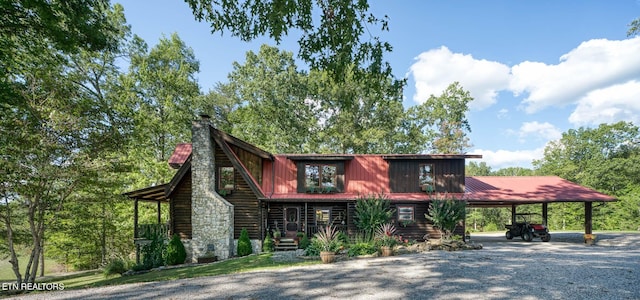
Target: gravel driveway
561,269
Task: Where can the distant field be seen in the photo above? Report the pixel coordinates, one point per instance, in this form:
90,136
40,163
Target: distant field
6,271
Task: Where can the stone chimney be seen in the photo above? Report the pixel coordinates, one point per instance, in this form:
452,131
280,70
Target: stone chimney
211,215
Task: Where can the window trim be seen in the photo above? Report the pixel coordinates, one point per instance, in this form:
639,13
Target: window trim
233,179
433,178
321,167
328,209
412,213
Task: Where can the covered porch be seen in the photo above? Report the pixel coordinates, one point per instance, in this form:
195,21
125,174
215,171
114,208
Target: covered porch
492,191
143,233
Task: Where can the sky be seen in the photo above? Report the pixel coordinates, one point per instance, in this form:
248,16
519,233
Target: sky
535,69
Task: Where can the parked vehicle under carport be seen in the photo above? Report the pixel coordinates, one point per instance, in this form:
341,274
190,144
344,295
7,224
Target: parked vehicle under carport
526,229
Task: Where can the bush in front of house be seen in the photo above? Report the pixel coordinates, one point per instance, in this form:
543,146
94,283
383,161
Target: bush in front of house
362,248
244,244
304,242
267,244
176,254
446,213
372,211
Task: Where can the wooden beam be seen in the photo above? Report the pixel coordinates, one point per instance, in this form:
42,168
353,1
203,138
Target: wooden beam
135,229
159,213
588,214
513,214
545,209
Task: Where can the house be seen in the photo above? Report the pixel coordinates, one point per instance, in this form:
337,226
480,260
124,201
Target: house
224,184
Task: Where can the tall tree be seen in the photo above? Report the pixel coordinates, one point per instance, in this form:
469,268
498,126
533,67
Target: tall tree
634,27
444,121
162,87
477,169
335,34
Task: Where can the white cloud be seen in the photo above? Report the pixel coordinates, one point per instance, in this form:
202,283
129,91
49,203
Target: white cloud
504,158
503,114
436,69
593,65
620,102
540,131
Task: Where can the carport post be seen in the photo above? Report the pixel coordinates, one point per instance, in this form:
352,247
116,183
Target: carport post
513,214
588,210
545,207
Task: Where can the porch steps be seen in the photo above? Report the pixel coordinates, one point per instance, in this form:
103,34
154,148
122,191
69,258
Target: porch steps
286,245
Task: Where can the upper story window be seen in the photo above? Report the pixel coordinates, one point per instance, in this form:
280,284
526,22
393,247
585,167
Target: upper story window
320,176
425,177
226,178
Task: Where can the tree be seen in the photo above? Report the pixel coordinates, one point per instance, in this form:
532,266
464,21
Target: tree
514,171
634,27
477,169
446,213
268,97
162,87
443,119
605,158
340,38
57,127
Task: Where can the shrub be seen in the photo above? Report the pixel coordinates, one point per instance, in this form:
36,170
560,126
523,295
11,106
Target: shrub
372,211
386,235
153,253
445,214
362,248
327,238
304,242
176,254
244,244
116,266
267,244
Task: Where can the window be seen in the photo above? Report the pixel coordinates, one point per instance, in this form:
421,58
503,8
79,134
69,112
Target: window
323,216
405,214
320,176
426,180
226,178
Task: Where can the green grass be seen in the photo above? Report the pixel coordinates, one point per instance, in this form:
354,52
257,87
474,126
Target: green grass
249,263
6,270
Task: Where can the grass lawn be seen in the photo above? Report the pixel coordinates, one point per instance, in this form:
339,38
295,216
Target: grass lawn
253,262
6,270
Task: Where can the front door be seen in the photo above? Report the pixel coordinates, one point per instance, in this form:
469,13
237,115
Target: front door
291,221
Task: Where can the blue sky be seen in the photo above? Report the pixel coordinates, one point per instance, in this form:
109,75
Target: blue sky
535,68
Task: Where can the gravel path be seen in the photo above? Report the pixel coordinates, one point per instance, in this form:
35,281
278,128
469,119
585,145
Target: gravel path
561,269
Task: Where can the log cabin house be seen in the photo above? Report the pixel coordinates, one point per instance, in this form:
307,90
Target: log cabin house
224,184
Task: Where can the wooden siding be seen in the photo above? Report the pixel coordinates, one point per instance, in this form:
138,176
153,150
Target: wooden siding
180,208
252,162
246,206
448,173
307,218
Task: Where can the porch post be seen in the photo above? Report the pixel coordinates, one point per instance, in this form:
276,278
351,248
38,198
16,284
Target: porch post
588,210
513,214
305,219
159,219
135,229
545,207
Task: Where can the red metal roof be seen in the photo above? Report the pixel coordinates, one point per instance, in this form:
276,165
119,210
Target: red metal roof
180,155
524,189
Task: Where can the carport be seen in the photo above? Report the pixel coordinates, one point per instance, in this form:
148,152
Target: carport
511,191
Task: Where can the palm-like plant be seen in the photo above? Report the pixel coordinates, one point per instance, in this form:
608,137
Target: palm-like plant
445,214
327,238
372,211
385,235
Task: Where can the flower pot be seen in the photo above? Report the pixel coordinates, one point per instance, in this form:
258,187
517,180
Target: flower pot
386,251
327,257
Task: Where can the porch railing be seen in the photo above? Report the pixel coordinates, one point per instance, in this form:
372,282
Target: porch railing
148,231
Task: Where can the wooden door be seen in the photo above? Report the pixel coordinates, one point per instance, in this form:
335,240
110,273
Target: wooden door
291,221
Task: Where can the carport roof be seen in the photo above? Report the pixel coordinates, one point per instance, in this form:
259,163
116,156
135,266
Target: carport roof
507,190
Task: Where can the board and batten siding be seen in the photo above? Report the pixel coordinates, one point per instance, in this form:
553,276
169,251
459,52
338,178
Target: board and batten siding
448,173
245,203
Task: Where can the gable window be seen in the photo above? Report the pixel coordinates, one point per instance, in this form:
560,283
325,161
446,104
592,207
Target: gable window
426,179
225,178
320,176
